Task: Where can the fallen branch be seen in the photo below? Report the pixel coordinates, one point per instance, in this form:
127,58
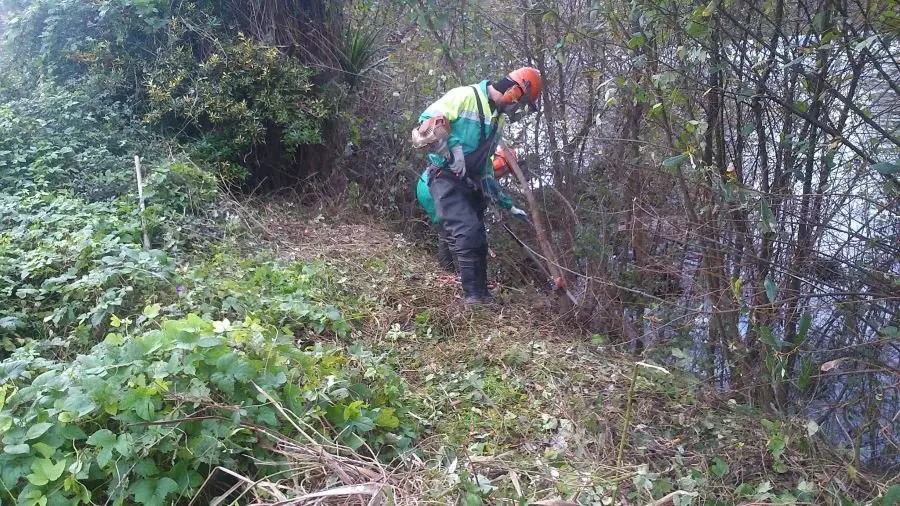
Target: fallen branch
670,498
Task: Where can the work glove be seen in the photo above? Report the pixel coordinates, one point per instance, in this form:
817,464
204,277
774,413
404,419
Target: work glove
457,161
518,213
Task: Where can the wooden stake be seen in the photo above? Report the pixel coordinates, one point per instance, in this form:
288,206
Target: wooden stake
140,185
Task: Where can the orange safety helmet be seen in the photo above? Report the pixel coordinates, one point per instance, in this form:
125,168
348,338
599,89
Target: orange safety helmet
501,165
528,85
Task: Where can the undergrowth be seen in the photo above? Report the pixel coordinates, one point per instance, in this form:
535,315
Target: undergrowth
130,374
515,406
202,368
146,414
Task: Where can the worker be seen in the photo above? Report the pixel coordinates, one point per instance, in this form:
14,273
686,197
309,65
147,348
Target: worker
445,256
461,130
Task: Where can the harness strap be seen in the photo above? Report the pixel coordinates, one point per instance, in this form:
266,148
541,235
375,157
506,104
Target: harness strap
479,157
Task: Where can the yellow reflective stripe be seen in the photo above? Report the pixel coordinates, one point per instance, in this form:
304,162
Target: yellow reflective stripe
474,117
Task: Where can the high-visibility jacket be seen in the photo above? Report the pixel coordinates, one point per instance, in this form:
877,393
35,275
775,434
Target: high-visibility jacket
460,107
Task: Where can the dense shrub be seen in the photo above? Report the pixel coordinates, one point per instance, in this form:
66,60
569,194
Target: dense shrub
64,138
282,294
194,71
236,98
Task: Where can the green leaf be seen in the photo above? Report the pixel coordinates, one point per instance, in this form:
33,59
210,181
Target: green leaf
891,497
151,311
887,168
387,419
140,401
719,468
771,289
43,471
744,490
353,410
105,440
776,445
33,497
472,499
114,339
811,428
748,129
766,218
695,29
146,468
80,403
103,437
37,430
636,41
806,487
152,492
363,424
805,323
765,335
736,285
19,449
762,490
44,449
675,161
352,440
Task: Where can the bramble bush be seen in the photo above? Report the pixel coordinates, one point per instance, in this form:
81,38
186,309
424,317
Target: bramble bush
67,264
129,374
284,294
145,416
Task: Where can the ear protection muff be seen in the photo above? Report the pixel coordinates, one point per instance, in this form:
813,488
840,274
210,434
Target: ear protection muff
513,94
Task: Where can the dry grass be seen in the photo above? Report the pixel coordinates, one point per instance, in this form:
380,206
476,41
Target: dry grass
547,413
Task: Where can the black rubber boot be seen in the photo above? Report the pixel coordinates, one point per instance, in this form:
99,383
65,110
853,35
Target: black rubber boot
468,273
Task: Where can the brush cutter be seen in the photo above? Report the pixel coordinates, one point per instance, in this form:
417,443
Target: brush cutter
556,284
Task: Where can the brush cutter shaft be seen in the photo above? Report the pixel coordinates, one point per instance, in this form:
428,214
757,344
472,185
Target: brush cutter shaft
559,284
